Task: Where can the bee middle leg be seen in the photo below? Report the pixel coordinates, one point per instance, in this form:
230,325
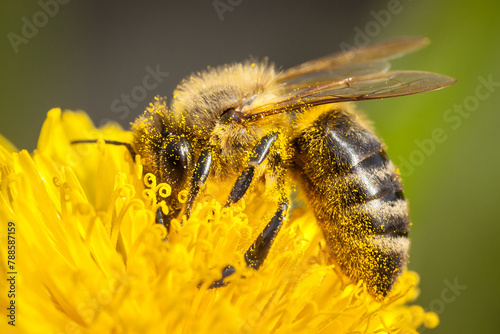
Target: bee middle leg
259,153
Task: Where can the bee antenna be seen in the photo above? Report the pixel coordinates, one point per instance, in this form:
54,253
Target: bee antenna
110,142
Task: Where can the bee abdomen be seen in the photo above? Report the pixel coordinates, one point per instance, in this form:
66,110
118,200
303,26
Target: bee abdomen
357,197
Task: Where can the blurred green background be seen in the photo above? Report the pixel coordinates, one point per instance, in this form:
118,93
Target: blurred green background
87,54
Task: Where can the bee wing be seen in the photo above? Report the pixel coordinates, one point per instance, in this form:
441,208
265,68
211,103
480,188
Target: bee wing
334,74
358,61
368,87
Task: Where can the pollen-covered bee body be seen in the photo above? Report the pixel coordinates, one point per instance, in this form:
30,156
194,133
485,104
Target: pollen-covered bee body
356,194
250,123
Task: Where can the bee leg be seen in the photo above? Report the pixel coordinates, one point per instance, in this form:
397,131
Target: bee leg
226,272
257,252
200,175
259,153
161,219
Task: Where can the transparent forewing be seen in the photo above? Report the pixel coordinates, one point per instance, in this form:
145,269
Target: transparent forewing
378,86
370,87
334,74
373,53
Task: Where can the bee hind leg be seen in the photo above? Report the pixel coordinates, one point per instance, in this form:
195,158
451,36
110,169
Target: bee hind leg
257,252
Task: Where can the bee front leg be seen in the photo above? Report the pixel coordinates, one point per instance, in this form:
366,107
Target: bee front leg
200,175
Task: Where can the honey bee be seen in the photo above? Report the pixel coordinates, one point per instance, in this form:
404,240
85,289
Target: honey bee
252,123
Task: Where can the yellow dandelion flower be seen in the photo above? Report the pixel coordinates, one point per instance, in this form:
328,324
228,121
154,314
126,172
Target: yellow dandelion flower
81,253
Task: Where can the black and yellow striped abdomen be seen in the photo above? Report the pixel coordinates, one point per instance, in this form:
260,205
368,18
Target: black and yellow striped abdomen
357,197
